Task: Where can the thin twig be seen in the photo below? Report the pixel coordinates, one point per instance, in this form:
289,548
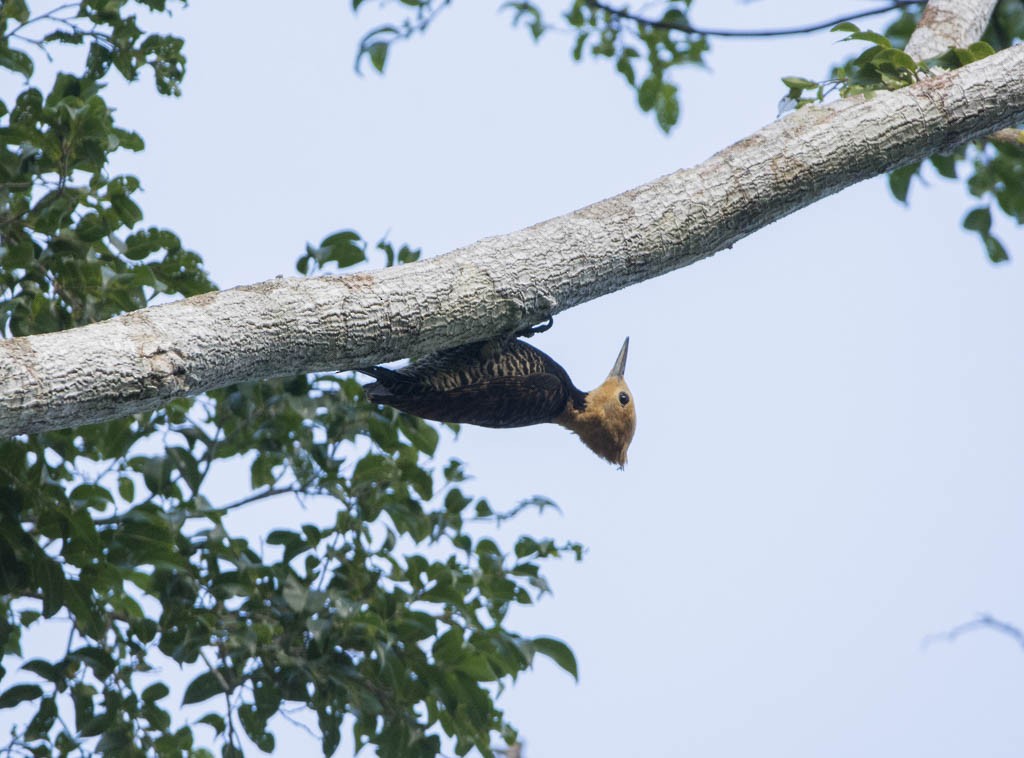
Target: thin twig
229,507
283,713
261,496
710,32
232,736
49,15
984,621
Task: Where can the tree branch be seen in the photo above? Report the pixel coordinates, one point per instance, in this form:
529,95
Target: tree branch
288,326
949,23
710,32
272,492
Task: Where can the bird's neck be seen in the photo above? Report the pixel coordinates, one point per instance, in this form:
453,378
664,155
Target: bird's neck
591,427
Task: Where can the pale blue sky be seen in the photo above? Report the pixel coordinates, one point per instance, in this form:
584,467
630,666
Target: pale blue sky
827,463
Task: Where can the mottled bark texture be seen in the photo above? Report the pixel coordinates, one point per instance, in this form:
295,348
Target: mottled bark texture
949,23
289,326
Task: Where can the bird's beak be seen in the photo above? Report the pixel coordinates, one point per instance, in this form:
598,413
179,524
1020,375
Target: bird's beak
619,369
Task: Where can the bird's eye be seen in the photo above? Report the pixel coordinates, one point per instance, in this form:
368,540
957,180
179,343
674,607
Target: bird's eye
623,398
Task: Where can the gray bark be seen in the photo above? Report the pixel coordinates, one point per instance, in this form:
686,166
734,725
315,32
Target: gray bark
288,326
949,23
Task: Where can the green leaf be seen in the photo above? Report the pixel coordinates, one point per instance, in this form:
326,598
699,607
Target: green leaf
19,693
475,666
79,602
945,165
113,741
330,729
42,722
455,501
557,651
408,254
129,140
203,687
978,220
126,488
49,576
14,9
98,659
798,83
91,496
625,67
981,50
873,37
295,594
899,180
449,647
667,109
525,546
648,93
155,692
375,46
896,59
255,726
996,252
214,720
577,49
91,227
373,469
344,248
16,61
126,209
43,669
378,53
421,434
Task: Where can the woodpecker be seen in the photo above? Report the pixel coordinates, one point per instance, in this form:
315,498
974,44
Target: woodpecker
505,382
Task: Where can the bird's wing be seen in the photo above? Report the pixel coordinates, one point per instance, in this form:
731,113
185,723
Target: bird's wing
499,402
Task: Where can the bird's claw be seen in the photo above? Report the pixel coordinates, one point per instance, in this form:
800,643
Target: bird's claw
536,329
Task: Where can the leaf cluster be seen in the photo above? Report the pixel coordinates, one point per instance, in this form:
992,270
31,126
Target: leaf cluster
993,169
416,18
72,248
388,607
384,612
644,54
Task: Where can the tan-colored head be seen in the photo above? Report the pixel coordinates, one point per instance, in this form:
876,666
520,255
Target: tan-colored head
608,422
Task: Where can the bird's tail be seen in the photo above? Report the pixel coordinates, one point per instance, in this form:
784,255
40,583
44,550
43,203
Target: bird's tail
389,383
377,372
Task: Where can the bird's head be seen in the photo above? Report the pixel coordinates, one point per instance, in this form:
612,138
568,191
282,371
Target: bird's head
608,422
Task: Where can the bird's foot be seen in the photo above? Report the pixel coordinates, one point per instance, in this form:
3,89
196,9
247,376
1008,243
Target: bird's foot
536,329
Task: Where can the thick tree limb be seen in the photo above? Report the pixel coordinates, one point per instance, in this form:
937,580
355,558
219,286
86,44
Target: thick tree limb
949,23
955,23
289,326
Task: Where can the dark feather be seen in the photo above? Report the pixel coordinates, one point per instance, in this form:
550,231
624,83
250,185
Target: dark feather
499,383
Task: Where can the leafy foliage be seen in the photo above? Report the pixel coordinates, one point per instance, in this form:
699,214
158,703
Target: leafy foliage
647,50
417,17
73,248
644,54
387,608
995,166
